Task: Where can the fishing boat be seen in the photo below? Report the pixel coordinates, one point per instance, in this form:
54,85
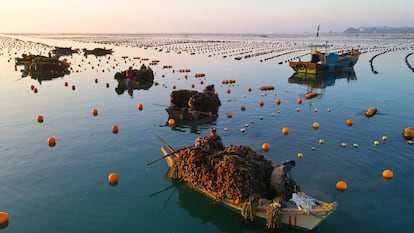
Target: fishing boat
325,61
302,211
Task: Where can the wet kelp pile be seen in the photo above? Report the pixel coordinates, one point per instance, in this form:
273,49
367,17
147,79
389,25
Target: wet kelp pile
205,104
235,173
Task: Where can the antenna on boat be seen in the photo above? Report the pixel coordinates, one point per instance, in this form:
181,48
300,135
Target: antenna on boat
317,31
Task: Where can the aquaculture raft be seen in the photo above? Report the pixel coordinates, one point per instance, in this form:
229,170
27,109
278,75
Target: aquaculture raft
232,177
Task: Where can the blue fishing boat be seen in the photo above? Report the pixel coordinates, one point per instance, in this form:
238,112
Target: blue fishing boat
323,60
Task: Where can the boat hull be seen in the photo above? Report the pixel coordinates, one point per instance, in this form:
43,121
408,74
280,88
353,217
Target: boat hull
290,215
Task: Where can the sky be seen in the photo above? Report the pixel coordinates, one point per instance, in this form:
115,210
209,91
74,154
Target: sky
200,16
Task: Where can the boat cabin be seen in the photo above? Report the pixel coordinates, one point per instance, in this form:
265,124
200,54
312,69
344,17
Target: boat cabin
319,52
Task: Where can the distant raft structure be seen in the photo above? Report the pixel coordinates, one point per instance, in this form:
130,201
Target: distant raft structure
267,88
193,105
97,52
133,79
63,51
43,68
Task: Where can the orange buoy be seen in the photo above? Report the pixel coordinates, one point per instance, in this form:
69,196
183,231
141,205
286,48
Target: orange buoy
387,174
193,85
51,141
341,186
113,178
114,129
243,107
201,82
73,87
249,89
371,112
265,147
228,91
40,118
349,122
285,130
4,217
315,125
278,101
408,133
229,115
94,112
171,122
261,103
140,107
299,100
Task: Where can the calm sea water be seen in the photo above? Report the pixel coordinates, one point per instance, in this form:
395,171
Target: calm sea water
65,189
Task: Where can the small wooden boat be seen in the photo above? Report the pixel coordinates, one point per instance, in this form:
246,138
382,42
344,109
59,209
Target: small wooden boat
323,60
293,214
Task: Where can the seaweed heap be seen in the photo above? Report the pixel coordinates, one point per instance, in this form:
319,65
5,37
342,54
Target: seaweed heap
235,173
180,98
206,101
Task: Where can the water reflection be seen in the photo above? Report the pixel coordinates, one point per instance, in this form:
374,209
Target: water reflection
133,79
42,68
321,81
201,207
195,126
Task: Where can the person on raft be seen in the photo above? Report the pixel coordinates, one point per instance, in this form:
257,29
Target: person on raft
212,142
192,112
282,182
215,139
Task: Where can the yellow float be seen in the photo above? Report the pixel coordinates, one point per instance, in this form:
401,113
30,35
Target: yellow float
408,133
266,147
229,115
171,122
341,186
115,129
371,112
4,217
113,178
40,118
387,174
51,141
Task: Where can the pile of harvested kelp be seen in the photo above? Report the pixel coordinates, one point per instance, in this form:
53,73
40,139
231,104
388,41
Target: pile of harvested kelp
235,173
206,101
